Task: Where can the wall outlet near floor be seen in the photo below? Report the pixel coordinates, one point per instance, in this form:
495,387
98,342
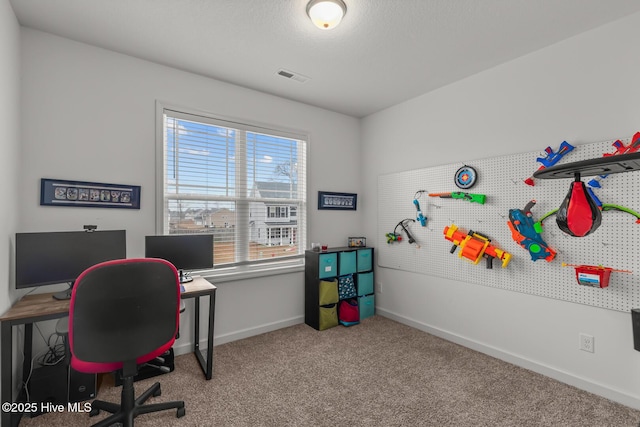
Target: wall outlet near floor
379,287
587,343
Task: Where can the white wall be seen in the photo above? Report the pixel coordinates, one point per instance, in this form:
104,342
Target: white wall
584,89
89,114
10,143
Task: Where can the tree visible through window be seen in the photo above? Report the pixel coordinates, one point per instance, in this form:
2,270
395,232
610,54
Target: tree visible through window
242,183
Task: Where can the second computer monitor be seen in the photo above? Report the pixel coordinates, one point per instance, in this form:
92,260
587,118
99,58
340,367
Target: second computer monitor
184,251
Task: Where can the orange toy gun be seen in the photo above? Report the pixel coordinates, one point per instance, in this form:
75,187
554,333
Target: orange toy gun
474,246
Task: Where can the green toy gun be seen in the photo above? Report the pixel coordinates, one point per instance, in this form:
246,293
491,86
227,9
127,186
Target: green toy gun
469,197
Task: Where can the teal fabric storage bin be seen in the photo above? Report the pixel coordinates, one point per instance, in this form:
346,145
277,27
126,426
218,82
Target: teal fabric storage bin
347,263
365,283
365,260
367,306
328,265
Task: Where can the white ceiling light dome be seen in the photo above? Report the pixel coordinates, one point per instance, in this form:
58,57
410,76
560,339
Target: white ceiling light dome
326,14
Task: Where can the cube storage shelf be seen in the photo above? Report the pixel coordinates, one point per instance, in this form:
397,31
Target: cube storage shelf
323,270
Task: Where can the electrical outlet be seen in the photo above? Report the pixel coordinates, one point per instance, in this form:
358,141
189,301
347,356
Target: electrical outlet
587,342
379,287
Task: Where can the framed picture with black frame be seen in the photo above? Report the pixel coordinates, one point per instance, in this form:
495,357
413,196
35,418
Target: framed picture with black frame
337,201
59,192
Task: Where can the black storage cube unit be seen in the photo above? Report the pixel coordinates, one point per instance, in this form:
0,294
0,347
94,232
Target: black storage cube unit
323,268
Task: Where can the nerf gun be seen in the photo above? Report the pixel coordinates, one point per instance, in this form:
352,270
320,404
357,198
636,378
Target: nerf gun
551,158
406,230
421,218
593,275
469,197
526,233
393,237
397,237
633,146
475,246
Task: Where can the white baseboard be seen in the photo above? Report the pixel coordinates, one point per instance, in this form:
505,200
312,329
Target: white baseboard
238,335
565,377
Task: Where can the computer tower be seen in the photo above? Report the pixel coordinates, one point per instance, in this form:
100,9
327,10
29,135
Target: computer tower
81,386
47,384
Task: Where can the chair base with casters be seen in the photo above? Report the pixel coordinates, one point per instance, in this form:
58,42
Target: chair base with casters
132,406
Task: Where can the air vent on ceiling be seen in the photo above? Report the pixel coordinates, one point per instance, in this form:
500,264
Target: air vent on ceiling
292,75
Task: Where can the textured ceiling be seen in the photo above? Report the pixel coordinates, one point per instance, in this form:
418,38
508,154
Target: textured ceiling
384,51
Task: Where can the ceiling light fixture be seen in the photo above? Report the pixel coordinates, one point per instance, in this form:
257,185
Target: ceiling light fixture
326,14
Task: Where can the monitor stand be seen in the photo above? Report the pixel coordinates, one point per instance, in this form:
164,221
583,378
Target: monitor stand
64,295
184,277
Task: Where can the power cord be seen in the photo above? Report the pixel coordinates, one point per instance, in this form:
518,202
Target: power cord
55,352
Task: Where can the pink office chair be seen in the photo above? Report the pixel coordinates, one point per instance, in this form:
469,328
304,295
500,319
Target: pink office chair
124,313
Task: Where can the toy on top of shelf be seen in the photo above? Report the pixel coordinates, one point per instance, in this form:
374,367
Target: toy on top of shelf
526,233
474,246
551,158
465,177
593,275
421,218
633,146
469,197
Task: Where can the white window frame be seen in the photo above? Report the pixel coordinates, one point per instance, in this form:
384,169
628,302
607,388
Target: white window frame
239,271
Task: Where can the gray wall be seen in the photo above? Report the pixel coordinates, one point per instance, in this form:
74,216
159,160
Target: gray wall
582,90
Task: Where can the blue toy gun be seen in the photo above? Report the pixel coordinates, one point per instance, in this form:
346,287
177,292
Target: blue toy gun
527,233
551,158
421,218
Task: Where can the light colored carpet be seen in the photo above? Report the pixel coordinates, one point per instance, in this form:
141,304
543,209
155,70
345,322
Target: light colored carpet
378,373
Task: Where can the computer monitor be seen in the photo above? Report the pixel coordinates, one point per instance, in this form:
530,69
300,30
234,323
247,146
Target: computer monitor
184,251
59,257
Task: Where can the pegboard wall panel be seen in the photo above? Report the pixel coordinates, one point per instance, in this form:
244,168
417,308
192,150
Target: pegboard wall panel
614,244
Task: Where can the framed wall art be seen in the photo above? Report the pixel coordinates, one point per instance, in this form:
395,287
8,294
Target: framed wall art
337,201
58,192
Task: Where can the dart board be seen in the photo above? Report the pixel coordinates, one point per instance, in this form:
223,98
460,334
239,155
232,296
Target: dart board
465,177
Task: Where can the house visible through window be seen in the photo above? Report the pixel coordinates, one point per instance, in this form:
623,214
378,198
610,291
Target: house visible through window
244,184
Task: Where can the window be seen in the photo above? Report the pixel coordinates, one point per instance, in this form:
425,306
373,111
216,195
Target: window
243,183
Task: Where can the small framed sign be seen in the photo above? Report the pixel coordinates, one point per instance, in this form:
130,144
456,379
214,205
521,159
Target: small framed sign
58,192
337,201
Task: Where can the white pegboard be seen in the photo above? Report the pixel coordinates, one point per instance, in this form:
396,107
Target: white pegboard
614,244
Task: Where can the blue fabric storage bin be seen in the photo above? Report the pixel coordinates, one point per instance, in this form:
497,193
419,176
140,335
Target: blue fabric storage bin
347,263
328,265
365,260
367,306
365,283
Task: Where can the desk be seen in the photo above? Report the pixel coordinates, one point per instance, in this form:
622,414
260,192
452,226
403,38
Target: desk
39,307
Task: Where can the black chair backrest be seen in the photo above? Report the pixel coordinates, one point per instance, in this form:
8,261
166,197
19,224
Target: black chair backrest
122,310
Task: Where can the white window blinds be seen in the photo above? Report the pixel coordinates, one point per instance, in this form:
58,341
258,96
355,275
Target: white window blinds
244,184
